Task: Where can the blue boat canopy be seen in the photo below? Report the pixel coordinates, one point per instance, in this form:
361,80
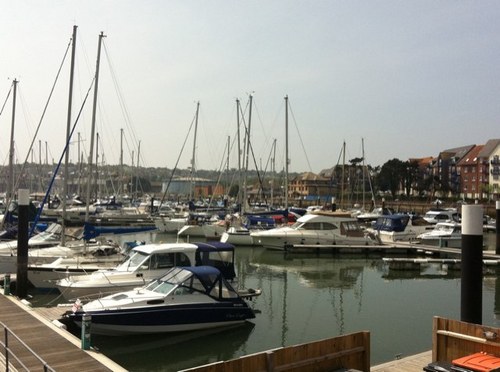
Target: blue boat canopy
217,254
209,277
392,222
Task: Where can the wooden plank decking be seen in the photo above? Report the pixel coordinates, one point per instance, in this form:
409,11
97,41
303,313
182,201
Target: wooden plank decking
412,363
59,349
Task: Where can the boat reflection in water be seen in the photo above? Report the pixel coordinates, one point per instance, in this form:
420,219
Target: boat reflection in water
175,351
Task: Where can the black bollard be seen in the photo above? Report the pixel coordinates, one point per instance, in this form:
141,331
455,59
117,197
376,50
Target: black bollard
472,264
497,227
22,244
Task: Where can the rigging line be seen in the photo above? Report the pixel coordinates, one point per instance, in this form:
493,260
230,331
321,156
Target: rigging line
24,107
121,100
219,178
123,105
261,182
176,164
6,98
300,137
40,209
43,112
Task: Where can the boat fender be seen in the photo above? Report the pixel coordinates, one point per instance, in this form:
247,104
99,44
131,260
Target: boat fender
58,324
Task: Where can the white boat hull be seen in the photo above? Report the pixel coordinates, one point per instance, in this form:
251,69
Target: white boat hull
237,237
169,225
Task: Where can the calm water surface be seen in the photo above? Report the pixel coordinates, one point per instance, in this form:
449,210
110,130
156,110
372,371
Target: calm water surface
307,298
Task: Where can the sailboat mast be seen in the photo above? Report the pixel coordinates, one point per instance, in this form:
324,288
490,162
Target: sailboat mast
227,167
239,149
193,159
286,152
92,131
343,176
121,188
273,172
137,174
247,148
10,181
363,154
68,132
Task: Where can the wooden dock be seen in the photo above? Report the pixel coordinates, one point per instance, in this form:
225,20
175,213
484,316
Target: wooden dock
411,363
58,348
399,247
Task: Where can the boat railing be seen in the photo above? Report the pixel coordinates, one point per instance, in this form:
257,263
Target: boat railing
12,345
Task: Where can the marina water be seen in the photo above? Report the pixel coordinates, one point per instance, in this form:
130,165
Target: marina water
307,298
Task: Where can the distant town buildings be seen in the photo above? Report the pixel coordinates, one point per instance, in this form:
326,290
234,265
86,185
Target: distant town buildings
466,172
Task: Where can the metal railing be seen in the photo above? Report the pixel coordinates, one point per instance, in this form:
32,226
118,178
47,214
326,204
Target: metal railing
8,353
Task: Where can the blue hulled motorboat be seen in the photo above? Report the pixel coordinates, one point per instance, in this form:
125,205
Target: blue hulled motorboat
184,299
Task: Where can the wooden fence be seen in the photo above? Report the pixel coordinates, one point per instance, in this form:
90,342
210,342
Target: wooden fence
350,351
454,339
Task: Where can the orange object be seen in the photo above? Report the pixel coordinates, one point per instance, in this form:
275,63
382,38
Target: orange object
481,362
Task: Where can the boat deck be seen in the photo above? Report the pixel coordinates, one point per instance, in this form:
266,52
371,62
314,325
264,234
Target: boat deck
57,347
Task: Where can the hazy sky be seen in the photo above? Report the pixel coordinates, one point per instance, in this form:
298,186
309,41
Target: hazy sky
411,78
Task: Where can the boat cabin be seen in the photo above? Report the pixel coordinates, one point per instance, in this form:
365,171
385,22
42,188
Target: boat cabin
164,256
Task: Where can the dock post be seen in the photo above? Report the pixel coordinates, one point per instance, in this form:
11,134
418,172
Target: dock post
6,285
22,244
497,227
471,309
86,322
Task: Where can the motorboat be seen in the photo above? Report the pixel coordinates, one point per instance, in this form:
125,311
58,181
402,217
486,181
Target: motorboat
202,224
316,228
444,234
45,275
397,227
489,224
50,237
183,299
239,228
441,215
374,214
169,225
148,262
237,235
39,246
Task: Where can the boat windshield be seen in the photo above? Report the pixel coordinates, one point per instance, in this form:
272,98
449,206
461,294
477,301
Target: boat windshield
135,260
159,286
171,280
444,228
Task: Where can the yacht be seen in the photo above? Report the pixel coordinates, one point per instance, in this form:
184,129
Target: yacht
444,234
317,228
